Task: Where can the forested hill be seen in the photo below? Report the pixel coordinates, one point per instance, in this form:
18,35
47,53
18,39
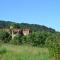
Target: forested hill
33,27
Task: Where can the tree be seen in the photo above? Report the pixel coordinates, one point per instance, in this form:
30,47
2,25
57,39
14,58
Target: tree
5,36
14,26
17,40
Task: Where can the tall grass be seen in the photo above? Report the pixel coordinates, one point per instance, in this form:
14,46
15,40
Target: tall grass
15,52
2,51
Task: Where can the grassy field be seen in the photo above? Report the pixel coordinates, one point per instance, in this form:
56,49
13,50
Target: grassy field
24,53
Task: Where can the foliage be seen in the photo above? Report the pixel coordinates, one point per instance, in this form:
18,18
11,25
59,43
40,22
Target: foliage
2,51
53,43
41,36
33,27
5,36
25,52
17,40
15,25
35,39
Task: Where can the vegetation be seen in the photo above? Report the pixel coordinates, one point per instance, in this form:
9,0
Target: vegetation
5,36
33,27
17,40
15,52
54,45
41,37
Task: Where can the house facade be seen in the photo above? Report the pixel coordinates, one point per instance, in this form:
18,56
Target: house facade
24,32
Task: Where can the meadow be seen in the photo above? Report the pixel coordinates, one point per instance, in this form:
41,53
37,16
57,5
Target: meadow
15,52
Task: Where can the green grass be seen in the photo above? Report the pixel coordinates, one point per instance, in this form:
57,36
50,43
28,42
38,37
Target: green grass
25,53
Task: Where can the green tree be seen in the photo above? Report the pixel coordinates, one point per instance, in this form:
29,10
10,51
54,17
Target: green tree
15,26
17,40
5,37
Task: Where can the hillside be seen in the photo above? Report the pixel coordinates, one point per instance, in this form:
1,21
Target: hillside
43,43
33,27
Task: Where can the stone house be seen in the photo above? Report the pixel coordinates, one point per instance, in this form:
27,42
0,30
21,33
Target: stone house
14,32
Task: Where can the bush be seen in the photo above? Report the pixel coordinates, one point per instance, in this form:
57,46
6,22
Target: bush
5,36
53,43
35,39
17,40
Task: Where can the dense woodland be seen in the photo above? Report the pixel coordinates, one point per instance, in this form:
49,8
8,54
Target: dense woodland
41,36
33,27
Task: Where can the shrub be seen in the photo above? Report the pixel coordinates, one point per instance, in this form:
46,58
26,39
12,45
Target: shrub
5,37
35,39
17,40
53,43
